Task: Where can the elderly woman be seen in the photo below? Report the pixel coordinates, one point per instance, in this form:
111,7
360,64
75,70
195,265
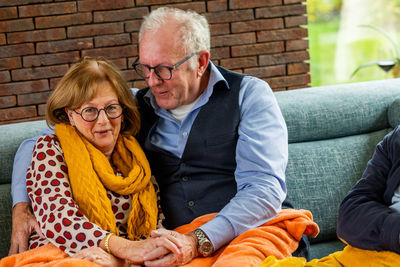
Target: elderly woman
89,183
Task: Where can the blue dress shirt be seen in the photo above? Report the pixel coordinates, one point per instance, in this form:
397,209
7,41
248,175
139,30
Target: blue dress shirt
261,156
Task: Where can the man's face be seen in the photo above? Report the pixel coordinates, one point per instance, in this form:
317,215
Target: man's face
161,48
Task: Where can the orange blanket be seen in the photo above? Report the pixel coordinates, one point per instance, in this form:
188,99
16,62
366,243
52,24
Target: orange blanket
278,237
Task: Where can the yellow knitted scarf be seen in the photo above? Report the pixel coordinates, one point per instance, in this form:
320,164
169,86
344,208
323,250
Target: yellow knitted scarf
90,173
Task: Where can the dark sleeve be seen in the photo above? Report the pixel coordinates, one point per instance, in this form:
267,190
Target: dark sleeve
365,220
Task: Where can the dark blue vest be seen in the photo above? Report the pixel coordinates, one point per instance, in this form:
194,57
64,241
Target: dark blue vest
202,181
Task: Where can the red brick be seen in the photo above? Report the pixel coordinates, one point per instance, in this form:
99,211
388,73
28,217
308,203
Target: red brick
2,39
50,59
112,40
8,13
8,101
230,16
65,45
10,63
95,29
257,25
112,52
17,113
54,82
130,75
279,35
120,15
5,76
287,2
132,26
36,36
16,50
220,52
35,98
219,29
61,21
296,45
47,9
24,87
92,5
157,2
238,4
16,25
233,39
244,62
39,73
294,21
22,2
286,81
42,109
281,11
131,60
219,5
297,68
120,63
290,57
257,49
199,7
135,37
139,84
270,71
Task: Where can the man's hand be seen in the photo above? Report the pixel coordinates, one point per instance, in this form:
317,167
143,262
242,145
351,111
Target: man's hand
23,225
186,243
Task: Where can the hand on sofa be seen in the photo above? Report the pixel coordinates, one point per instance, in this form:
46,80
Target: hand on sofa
23,225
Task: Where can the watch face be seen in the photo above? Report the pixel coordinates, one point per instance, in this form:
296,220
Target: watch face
206,248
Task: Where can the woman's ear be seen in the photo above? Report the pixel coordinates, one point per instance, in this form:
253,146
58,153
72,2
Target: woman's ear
69,114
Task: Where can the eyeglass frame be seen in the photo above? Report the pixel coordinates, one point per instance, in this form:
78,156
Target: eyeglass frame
170,68
99,110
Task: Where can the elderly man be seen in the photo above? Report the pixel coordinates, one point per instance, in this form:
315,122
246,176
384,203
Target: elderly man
216,140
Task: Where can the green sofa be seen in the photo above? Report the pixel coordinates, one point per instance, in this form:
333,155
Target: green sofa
333,131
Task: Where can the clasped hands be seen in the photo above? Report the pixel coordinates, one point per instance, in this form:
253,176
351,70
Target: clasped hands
163,248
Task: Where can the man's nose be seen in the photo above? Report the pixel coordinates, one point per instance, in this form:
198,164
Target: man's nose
153,79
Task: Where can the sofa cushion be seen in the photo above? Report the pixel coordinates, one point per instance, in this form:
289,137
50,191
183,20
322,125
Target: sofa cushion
5,219
320,173
335,111
394,113
10,138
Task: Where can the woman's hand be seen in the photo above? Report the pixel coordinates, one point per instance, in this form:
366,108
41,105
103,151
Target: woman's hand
99,256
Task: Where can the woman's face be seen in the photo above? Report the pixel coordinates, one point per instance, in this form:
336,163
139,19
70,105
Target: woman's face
102,132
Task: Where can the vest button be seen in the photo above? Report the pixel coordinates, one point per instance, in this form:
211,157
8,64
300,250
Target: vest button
191,203
185,178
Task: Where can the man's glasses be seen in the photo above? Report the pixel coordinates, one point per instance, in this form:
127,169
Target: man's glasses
162,72
90,114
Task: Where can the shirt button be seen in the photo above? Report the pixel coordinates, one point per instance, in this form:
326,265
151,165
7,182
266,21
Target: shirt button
185,178
184,133
191,203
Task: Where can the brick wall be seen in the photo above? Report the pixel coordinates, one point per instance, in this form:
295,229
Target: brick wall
39,39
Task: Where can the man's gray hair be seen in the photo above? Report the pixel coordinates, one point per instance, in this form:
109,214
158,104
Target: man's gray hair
194,28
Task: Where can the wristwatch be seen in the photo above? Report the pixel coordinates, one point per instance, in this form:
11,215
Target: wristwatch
204,245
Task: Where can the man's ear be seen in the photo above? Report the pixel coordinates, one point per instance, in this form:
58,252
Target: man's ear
69,114
203,59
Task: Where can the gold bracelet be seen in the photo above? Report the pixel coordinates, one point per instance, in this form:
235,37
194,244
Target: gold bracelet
106,243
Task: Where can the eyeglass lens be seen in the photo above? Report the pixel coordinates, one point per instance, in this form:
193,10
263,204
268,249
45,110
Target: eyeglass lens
161,71
112,111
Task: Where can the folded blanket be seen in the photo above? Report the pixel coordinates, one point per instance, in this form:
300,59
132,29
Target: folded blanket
349,256
44,256
278,237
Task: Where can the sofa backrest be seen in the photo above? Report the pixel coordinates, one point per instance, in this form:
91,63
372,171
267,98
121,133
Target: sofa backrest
333,131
